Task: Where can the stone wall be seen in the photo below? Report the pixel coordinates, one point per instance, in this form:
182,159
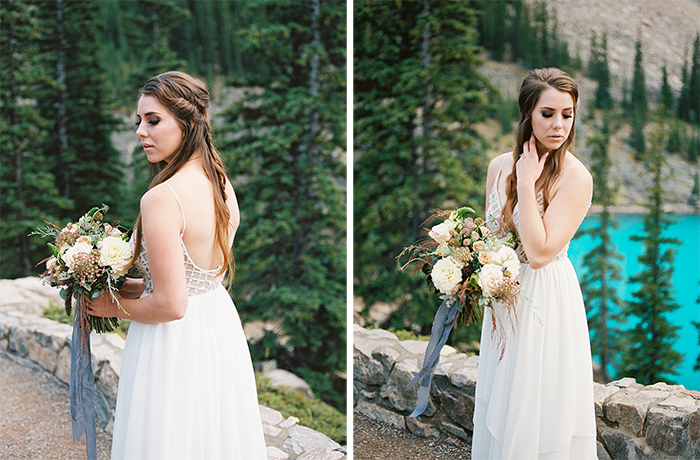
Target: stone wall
634,421
47,343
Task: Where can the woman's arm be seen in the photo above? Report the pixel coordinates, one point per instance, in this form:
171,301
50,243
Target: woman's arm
544,237
162,224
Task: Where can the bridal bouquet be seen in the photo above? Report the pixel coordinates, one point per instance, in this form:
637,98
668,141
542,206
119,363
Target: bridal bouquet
89,257
467,263
471,267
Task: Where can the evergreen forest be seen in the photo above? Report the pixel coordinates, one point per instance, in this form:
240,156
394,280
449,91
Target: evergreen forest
71,73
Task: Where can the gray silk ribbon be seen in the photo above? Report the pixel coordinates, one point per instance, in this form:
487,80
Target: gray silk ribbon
445,318
82,388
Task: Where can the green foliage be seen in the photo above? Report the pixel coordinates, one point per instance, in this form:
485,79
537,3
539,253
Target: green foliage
285,150
311,413
666,99
603,263
417,94
649,355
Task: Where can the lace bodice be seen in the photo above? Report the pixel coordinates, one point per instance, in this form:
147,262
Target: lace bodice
199,280
493,214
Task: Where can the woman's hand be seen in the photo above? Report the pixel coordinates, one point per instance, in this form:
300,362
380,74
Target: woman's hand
132,289
530,165
104,306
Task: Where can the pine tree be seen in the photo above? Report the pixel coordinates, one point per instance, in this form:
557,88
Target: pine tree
666,99
649,355
285,148
638,105
87,166
599,70
603,264
417,94
28,192
492,25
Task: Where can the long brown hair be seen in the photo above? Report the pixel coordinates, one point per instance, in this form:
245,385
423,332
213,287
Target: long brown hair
187,99
536,82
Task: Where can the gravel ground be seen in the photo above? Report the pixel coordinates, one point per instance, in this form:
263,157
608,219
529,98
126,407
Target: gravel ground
35,415
373,440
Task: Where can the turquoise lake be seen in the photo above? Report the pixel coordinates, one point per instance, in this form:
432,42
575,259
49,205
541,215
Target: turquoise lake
686,277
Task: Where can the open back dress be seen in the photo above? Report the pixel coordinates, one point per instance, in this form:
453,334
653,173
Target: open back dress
186,388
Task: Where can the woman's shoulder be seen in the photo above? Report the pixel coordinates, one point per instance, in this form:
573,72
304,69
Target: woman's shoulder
575,169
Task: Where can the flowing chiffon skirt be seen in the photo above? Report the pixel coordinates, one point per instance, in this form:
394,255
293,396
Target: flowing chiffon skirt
537,402
187,389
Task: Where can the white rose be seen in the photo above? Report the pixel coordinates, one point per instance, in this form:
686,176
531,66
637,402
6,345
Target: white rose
490,279
447,275
508,259
77,248
115,253
441,232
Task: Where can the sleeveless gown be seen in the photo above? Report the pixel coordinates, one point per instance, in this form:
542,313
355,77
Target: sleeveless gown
537,402
187,389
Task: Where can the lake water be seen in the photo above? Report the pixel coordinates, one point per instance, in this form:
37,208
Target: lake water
686,277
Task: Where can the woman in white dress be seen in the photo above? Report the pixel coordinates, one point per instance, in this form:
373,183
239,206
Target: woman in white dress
186,387
536,402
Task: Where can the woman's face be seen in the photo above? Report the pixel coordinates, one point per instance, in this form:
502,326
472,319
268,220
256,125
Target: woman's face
158,130
552,119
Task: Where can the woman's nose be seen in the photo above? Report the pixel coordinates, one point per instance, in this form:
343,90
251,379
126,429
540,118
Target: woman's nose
141,131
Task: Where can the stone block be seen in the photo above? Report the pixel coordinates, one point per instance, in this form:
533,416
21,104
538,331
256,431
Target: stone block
376,412
694,425
623,383
290,422
18,337
44,356
666,431
422,429
281,377
602,454
63,365
367,369
601,394
270,416
107,383
396,393
465,378
683,403
302,439
620,444
629,410
459,406
321,453
455,430
273,453
388,356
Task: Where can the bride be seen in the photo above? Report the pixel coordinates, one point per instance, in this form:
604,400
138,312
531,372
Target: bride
537,401
186,387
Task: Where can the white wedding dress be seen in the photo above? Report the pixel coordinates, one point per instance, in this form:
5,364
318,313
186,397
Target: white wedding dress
187,389
537,401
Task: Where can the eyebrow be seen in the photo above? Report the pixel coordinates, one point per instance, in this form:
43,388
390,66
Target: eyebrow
149,113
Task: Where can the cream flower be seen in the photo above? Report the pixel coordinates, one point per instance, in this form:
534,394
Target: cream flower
508,259
115,253
84,239
490,279
447,275
442,232
70,253
479,245
486,257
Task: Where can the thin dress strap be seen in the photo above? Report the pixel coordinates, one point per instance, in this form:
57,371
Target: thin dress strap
184,224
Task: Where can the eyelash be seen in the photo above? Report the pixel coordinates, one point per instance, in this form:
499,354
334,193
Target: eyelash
548,115
150,122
